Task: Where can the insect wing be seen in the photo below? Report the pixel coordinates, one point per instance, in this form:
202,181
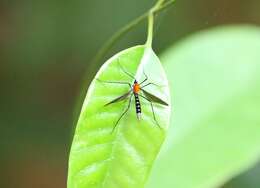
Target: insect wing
154,98
122,97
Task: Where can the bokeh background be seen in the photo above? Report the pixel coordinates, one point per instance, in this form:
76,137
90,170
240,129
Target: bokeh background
46,48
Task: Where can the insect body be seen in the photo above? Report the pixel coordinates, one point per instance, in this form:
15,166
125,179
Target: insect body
135,90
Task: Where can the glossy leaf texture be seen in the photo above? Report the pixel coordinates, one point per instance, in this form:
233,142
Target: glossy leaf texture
215,132
100,158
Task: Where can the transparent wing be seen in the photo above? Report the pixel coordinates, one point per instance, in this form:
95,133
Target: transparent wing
122,97
154,98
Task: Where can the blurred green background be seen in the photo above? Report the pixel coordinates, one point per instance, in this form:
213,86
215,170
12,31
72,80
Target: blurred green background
46,49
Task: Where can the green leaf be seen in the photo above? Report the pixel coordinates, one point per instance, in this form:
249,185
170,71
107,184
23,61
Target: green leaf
123,158
215,129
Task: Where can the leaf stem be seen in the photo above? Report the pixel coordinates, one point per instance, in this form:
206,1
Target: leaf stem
158,4
164,6
152,11
150,30
158,7
118,35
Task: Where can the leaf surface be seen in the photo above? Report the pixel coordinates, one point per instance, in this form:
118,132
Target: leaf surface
100,158
215,129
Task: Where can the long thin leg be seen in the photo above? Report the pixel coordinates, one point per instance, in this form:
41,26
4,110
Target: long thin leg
151,103
146,78
123,112
150,84
122,68
115,82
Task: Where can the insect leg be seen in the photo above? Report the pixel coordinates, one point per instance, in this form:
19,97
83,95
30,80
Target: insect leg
146,78
151,103
115,82
122,68
123,113
150,84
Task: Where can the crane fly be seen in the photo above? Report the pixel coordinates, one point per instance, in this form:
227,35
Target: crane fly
135,90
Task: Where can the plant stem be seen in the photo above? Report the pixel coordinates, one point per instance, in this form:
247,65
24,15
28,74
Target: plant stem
152,12
149,40
164,6
158,7
158,4
104,49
